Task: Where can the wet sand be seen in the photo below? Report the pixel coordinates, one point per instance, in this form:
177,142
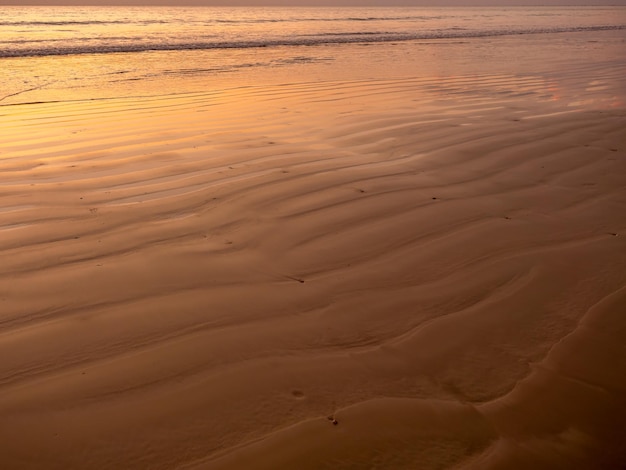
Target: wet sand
405,273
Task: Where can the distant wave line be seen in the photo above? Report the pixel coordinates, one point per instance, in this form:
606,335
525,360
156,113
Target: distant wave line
70,23
215,20
338,38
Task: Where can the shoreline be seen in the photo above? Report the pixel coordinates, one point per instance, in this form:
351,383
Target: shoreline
147,74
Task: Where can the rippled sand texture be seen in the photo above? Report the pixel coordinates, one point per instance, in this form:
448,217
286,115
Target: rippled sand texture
375,274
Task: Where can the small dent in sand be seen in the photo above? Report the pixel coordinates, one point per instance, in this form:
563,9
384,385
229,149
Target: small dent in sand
297,393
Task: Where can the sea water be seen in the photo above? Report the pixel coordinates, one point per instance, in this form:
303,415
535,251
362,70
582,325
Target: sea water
87,52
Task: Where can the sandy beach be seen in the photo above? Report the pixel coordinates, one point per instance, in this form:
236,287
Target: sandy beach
415,272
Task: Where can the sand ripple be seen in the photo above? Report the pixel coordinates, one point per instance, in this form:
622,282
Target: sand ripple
201,280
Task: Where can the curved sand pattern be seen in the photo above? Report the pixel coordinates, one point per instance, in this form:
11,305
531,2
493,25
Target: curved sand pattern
201,280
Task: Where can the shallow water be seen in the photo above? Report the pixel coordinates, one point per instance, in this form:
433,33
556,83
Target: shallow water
61,53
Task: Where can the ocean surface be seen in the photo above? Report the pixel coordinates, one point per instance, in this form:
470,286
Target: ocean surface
75,47
42,31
